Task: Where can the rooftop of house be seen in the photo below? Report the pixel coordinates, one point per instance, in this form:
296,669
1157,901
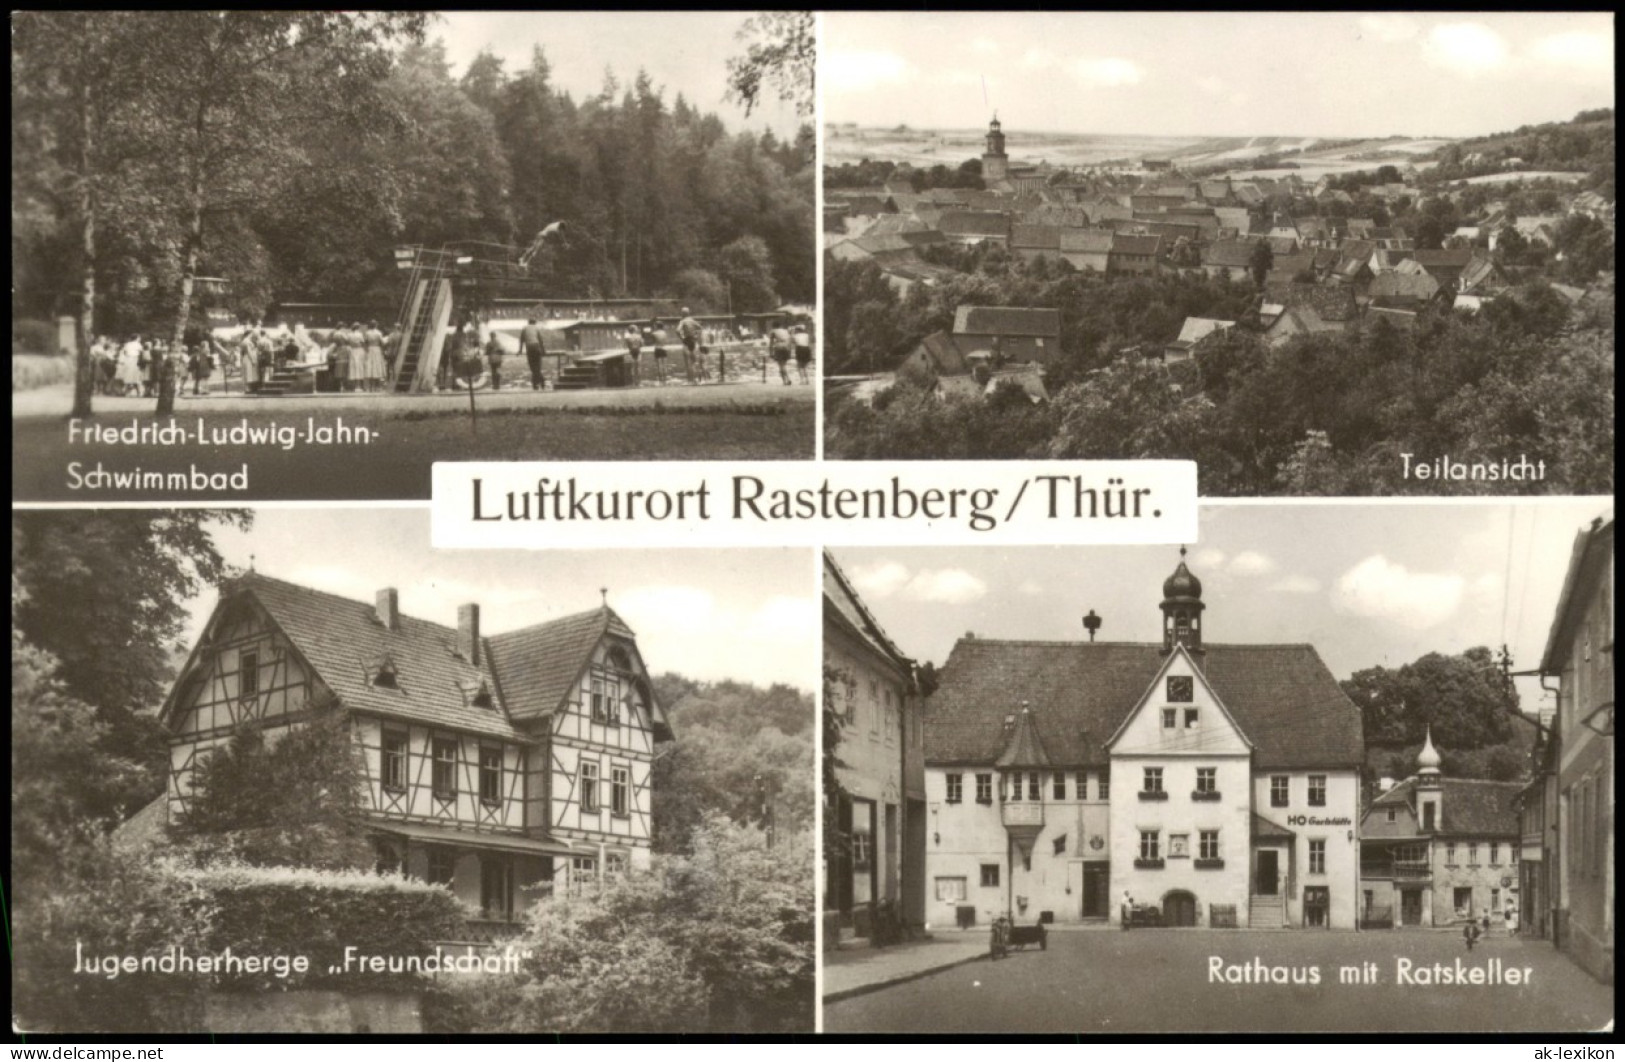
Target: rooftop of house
1469,807
1007,321
528,672
1282,697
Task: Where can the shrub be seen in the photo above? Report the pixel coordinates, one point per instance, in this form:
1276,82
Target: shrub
31,335
103,903
29,372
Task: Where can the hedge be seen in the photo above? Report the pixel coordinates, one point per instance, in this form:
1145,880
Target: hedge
278,911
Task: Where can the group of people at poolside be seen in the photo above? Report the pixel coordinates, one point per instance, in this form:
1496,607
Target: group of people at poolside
356,357
783,343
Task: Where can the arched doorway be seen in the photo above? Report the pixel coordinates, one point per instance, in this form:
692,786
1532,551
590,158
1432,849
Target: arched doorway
1179,908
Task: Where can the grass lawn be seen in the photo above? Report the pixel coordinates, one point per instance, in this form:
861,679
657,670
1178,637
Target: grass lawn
396,464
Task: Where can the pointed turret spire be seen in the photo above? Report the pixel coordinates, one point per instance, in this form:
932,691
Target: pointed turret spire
1428,760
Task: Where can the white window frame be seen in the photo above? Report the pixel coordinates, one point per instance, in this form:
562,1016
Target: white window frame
587,777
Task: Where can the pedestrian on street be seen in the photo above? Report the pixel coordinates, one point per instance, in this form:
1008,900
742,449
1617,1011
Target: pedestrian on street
1470,933
1128,909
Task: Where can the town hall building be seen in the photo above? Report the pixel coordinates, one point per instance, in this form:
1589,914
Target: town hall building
503,766
1217,784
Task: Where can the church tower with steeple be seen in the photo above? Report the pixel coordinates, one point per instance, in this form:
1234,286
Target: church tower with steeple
995,163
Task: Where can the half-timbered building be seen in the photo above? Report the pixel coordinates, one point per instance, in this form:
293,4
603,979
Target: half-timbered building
502,766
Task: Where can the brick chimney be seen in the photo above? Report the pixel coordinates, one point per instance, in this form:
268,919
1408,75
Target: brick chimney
468,633
387,607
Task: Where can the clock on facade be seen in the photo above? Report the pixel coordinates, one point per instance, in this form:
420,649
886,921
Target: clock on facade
1181,688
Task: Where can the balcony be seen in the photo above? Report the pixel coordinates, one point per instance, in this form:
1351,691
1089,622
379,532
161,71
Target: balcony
1023,814
1398,869
1207,796
1148,864
1153,794
1208,864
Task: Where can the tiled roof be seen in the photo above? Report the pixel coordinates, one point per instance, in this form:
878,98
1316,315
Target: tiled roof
1402,287
1196,329
341,639
1468,807
1329,302
974,223
1036,237
1006,321
1282,696
143,829
1087,241
944,354
1230,254
538,666
1588,567
842,604
1126,243
1023,747
868,204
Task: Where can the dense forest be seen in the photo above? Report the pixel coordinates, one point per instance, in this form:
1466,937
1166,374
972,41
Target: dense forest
1328,413
288,153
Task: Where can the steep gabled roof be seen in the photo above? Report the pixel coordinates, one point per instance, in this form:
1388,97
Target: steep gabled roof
1282,697
1588,563
843,606
340,639
539,666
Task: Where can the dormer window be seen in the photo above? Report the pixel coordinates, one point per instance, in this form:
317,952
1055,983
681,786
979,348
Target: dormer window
482,696
384,674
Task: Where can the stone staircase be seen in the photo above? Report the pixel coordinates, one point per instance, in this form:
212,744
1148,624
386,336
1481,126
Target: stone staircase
1266,912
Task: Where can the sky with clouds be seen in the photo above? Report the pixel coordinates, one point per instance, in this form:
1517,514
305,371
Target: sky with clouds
686,52
1450,74
748,614
1367,584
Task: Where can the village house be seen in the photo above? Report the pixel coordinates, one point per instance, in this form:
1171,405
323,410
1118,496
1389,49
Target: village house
1438,851
1311,309
881,774
1580,656
1008,333
502,766
1192,334
1134,255
1229,258
1081,248
1215,784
